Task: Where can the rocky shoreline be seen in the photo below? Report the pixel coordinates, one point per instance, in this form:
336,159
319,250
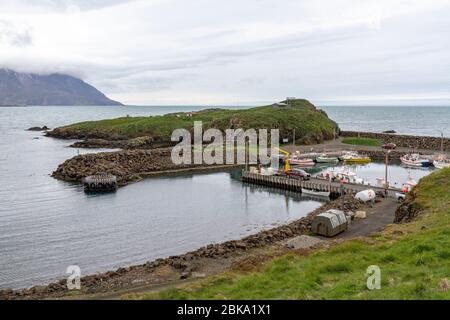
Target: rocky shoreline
407,141
183,265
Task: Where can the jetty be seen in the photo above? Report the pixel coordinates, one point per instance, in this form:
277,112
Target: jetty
102,182
335,188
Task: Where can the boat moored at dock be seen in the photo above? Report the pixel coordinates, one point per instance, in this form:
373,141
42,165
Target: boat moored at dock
441,162
316,193
327,159
354,158
416,160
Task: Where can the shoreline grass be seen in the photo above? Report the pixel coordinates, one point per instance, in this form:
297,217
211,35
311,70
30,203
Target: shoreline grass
310,124
363,141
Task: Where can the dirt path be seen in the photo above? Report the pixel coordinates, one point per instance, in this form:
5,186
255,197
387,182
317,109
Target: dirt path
377,219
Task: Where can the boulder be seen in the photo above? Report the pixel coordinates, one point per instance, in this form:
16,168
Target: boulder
360,215
44,128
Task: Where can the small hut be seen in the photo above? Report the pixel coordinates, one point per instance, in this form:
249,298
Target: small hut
330,223
280,105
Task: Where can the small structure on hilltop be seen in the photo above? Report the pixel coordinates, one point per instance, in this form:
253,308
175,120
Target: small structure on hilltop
102,182
330,223
280,105
284,105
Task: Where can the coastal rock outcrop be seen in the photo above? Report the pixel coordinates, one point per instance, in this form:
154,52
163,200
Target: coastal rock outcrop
44,128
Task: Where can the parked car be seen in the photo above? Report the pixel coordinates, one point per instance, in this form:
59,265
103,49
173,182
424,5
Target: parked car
400,196
298,174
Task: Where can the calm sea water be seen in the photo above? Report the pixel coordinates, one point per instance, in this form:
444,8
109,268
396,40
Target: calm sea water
47,225
424,121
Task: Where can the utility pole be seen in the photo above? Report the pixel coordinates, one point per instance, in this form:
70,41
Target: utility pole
293,140
246,155
386,183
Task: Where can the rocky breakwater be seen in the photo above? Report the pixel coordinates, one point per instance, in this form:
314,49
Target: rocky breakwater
380,155
407,141
184,264
127,165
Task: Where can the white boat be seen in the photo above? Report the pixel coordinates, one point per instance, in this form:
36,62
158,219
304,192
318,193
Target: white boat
415,160
296,159
301,162
327,159
316,193
345,176
441,162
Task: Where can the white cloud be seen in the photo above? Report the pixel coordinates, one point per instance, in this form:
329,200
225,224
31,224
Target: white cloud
227,52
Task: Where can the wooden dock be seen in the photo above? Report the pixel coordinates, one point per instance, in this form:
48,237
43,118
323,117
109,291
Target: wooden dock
336,189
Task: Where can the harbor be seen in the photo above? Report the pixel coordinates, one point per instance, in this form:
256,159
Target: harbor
248,209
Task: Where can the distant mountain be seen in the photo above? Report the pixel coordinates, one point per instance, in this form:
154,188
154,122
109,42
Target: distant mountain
28,89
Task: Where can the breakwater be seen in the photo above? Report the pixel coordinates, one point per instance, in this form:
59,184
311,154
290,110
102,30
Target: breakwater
127,165
407,141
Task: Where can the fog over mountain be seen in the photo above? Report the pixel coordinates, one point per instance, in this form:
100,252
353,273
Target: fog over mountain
29,89
253,52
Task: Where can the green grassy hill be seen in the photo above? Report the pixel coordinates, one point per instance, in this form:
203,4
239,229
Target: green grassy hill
414,259
311,125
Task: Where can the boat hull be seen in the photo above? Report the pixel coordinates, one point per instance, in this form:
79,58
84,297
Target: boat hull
357,160
316,193
412,163
300,162
327,160
441,164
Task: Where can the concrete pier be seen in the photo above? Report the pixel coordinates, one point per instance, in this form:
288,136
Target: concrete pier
336,189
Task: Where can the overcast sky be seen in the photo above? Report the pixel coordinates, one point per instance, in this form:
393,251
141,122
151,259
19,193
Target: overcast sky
172,52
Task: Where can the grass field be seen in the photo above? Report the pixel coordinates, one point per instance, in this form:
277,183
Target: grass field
363,141
414,259
310,124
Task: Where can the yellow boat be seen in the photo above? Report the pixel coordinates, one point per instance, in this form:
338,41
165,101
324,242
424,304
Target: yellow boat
353,157
358,160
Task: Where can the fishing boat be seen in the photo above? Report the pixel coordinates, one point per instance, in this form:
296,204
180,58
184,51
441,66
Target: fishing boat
415,160
296,159
326,159
344,176
301,162
354,158
316,193
441,162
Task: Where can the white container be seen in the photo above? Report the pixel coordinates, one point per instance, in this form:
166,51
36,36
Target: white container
366,195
